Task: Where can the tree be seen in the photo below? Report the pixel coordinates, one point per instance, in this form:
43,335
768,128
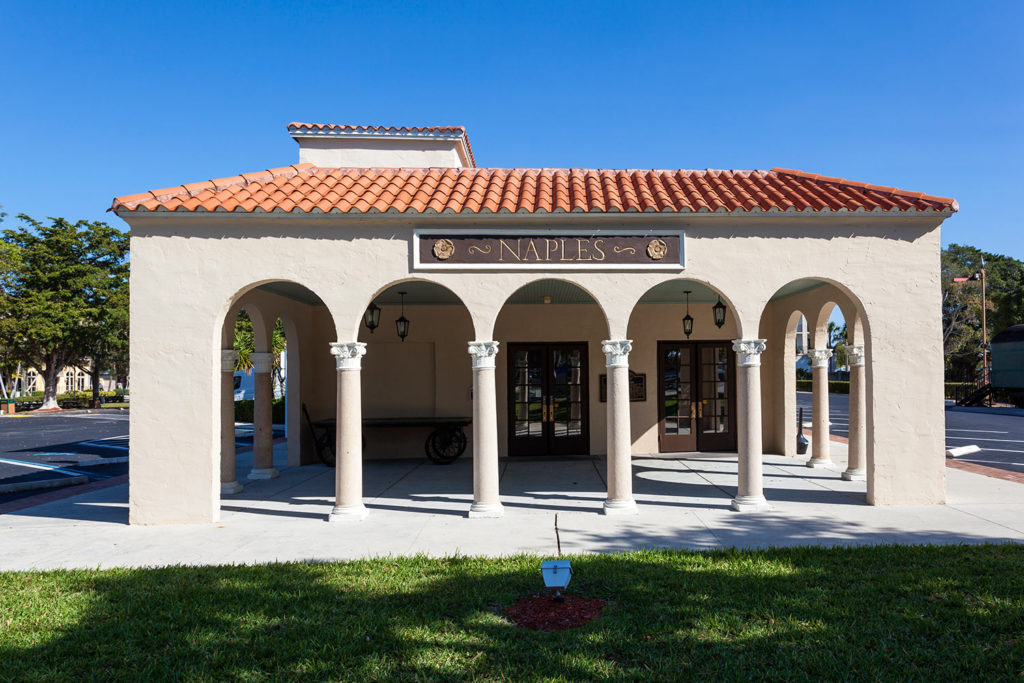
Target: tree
961,303
105,333
57,292
837,342
245,345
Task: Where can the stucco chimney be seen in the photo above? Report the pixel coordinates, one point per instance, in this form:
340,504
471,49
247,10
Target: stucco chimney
340,146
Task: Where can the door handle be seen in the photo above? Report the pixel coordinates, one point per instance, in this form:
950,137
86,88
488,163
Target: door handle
700,409
543,410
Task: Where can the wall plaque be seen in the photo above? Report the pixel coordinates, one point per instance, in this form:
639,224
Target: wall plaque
637,387
570,249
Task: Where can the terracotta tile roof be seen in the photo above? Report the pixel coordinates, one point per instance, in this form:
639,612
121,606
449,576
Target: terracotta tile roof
328,128
305,188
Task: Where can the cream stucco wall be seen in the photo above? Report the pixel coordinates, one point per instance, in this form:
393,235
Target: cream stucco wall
187,272
395,152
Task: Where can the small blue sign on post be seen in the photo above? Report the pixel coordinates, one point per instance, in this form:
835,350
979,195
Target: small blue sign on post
556,573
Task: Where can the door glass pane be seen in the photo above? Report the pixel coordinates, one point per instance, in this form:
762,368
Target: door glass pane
528,393
676,389
715,389
566,392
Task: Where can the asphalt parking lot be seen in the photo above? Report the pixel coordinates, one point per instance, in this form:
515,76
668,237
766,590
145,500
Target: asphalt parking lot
40,451
998,432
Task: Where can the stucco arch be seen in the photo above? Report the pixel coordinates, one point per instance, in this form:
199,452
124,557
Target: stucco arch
732,314
262,313
817,305
594,299
354,327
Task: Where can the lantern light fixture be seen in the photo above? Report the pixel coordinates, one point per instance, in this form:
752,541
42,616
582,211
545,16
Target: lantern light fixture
719,311
372,317
402,323
687,319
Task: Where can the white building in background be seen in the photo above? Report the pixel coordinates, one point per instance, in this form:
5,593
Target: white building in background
71,379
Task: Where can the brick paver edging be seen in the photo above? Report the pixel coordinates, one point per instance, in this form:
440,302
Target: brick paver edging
993,472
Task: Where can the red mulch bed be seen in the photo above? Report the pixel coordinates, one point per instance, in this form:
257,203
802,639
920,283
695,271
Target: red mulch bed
542,613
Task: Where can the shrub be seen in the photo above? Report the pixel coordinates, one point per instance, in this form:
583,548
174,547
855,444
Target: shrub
244,411
835,386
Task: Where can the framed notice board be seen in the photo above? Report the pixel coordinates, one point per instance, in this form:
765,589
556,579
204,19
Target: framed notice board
637,387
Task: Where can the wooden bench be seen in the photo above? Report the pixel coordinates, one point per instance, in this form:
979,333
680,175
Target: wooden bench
445,443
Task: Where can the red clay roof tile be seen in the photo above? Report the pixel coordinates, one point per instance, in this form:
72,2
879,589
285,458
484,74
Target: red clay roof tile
306,188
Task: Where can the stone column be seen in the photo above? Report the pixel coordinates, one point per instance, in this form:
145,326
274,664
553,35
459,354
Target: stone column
620,441
820,447
348,461
856,465
228,477
262,417
486,500
750,472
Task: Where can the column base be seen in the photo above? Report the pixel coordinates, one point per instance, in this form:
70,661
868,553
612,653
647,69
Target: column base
349,513
750,504
264,473
620,508
228,488
486,510
820,464
855,475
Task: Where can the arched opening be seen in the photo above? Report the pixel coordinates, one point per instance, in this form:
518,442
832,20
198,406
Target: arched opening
275,363
825,377
550,370
416,370
690,380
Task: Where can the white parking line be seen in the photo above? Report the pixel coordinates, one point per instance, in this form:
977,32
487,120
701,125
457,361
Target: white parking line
999,450
53,468
975,438
976,431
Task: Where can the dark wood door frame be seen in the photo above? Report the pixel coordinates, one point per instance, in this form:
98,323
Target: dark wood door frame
545,417
704,378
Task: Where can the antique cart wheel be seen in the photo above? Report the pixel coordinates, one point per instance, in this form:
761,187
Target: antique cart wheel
325,449
445,445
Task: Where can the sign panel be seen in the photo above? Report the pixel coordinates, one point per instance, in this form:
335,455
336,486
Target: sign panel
548,251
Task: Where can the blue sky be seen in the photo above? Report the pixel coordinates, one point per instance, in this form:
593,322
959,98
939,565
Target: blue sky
104,99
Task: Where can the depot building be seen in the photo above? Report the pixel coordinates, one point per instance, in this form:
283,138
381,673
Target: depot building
429,303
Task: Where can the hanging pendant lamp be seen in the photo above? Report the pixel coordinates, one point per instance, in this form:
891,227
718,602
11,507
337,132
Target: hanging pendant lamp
687,319
719,311
372,317
402,323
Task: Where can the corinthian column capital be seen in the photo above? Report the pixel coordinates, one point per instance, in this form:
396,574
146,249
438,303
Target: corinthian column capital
348,355
748,351
616,352
855,354
483,353
819,357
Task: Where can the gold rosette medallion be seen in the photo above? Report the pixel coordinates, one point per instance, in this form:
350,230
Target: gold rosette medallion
656,249
443,249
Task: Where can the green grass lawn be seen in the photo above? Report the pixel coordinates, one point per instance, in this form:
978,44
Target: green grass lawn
888,612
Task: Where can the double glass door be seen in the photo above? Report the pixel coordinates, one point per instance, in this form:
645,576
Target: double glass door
696,397
548,410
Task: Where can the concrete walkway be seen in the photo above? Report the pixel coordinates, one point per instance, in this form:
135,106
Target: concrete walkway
418,507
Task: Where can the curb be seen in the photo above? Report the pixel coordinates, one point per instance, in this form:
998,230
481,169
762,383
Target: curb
61,494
